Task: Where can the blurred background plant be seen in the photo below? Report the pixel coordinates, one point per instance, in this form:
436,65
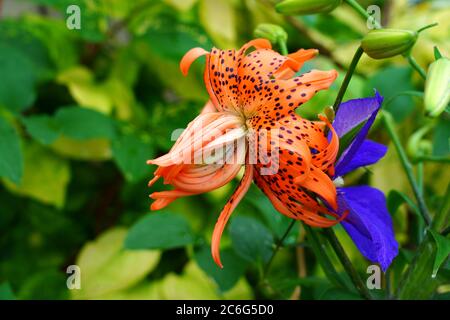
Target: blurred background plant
82,110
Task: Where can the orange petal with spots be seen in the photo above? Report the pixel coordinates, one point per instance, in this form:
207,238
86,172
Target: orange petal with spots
238,194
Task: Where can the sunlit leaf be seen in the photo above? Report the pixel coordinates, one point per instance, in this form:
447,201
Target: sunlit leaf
45,176
107,267
218,18
92,149
85,90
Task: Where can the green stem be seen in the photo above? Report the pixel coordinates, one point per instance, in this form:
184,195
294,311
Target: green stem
322,257
277,247
427,27
420,177
417,282
411,93
355,5
348,76
347,264
432,159
283,47
390,127
416,66
441,218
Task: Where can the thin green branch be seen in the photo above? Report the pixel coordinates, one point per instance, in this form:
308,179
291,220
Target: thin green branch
277,247
441,218
426,158
416,66
357,7
347,264
390,127
322,257
283,47
348,76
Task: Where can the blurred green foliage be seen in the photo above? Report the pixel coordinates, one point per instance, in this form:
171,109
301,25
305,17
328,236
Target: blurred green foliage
82,110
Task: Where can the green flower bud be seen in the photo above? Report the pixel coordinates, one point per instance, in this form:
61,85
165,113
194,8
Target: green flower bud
386,43
329,113
271,32
437,87
303,7
418,146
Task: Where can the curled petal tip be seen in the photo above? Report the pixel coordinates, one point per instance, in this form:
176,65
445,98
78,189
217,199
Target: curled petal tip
189,58
151,182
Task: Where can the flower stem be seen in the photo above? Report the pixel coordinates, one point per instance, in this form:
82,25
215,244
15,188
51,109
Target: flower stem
427,158
357,7
283,47
277,247
348,76
406,164
321,255
346,263
416,66
441,218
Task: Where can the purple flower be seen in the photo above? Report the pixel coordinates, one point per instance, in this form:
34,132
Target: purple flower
368,221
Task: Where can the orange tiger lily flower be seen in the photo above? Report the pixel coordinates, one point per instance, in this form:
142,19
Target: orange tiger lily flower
251,116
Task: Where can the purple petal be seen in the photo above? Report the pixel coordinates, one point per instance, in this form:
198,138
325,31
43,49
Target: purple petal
353,112
368,153
362,109
368,223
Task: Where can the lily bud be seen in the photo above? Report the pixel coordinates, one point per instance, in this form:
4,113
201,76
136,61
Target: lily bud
437,87
303,7
418,146
386,43
271,32
329,113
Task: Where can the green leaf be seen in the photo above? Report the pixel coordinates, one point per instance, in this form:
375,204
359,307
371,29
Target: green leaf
396,198
81,123
107,268
277,222
18,79
219,20
11,163
162,37
443,251
389,82
45,176
251,239
46,285
42,128
226,278
339,294
160,230
130,153
6,292
441,138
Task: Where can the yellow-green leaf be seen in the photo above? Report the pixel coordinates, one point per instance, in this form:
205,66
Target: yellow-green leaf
106,267
45,176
